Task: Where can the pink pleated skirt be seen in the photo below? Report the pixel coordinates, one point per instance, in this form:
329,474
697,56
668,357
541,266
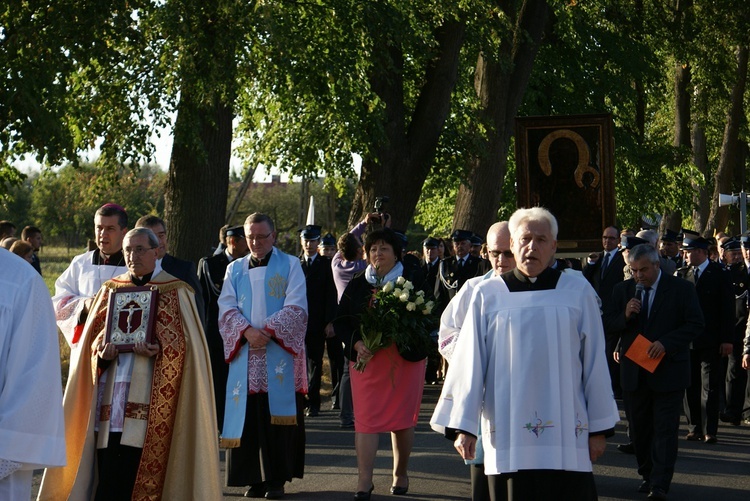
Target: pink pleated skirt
387,395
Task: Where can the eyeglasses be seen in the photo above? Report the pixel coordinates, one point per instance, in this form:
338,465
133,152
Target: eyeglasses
257,238
137,251
507,254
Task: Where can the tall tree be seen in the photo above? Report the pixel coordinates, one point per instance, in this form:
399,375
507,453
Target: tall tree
501,76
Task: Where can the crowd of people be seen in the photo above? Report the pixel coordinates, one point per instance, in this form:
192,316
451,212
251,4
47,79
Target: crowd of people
170,362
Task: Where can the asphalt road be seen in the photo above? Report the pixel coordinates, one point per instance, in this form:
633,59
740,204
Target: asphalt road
703,472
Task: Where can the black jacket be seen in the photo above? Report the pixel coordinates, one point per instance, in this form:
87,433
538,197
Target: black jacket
185,271
675,319
605,284
321,294
714,288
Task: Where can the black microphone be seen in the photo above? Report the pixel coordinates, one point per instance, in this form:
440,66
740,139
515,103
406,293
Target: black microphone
639,288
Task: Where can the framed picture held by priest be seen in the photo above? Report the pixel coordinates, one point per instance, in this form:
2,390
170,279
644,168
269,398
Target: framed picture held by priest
131,316
566,164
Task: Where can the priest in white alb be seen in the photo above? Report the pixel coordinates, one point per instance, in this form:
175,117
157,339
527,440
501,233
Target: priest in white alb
532,375
76,287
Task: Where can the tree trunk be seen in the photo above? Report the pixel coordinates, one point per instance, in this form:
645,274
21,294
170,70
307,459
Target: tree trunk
198,179
400,164
731,148
700,160
500,88
682,84
196,197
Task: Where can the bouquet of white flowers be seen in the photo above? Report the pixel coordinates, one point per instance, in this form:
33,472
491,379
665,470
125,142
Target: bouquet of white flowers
398,314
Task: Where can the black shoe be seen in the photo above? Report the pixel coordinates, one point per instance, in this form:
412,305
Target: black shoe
346,424
256,491
645,487
657,493
628,448
399,491
276,492
728,418
693,437
364,495
710,439
312,412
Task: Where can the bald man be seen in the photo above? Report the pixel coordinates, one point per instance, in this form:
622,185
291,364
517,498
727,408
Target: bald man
502,260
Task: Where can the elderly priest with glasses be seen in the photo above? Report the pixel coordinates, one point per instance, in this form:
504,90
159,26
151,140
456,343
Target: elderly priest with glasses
139,400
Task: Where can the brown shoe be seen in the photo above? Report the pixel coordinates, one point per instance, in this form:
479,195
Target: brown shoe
709,439
693,437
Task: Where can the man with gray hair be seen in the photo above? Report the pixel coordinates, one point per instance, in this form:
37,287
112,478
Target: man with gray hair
136,414
540,446
263,321
652,238
665,311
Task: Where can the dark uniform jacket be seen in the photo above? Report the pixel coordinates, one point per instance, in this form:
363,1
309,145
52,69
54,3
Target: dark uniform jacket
451,276
738,272
321,294
185,271
714,288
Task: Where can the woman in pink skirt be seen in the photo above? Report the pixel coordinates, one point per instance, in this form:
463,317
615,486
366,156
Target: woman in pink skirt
387,394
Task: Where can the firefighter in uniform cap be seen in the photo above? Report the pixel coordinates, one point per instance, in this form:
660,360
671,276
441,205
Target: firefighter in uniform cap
321,308
714,288
457,269
211,276
669,247
327,246
736,376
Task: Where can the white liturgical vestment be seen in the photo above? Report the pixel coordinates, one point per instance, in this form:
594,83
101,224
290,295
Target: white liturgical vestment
531,371
80,281
32,433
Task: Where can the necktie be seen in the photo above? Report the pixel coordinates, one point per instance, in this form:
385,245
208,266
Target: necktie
696,273
309,261
605,263
460,263
644,307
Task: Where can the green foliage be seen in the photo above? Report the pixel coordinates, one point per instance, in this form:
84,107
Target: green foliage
284,203
64,201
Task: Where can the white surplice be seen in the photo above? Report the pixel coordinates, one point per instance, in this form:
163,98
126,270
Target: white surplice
80,281
530,369
32,433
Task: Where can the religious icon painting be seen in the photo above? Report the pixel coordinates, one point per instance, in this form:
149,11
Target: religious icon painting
131,316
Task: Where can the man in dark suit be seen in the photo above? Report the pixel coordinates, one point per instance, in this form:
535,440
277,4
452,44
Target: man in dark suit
184,270
322,300
457,269
603,274
211,274
665,310
714,287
